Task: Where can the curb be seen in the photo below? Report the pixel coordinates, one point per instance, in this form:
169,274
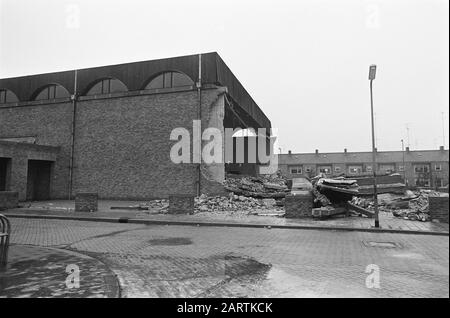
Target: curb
222,224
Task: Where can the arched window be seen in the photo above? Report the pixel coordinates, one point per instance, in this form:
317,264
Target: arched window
7,96
107,86
52,91
170,79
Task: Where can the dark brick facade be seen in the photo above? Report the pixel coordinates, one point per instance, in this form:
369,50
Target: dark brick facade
86,202
8,200
298,206
122,144
181,204
438,208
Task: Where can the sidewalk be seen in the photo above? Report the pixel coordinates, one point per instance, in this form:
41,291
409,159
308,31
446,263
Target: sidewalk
65,210
34,271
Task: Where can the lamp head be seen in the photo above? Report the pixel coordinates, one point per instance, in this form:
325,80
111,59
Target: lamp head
372,71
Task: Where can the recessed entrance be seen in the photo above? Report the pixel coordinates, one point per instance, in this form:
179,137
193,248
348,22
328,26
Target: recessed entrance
5,168
38,182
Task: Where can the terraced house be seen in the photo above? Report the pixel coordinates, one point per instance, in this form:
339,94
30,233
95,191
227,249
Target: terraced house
420,168
107,129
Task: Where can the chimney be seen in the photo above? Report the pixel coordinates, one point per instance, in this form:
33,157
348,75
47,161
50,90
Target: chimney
345,150
289,152
317,151
407,149
441,148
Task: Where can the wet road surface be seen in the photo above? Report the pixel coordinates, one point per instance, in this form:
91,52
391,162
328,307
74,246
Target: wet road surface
187,261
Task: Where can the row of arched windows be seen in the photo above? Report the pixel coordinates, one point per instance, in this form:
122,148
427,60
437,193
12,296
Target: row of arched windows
103,86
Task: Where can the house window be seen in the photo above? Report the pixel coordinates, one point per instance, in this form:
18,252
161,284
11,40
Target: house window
422,182
389,168
337,169
296,170
107,86
438,167
421,169
439,182
170,79
368,168
325,170
354,169
401,168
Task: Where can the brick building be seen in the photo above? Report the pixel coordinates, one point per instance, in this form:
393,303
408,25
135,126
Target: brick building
421,168
107,129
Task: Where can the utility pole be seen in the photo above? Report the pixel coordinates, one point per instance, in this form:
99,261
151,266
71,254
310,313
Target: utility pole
372,72
403,163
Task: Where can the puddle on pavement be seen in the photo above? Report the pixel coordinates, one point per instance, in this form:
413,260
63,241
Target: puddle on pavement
237,266
171,241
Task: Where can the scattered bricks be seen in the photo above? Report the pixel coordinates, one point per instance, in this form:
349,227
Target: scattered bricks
86,202
181,204
9,200
438,208
327,211
299,205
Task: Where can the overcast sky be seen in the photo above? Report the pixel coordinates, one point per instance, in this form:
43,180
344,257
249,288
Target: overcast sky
304,62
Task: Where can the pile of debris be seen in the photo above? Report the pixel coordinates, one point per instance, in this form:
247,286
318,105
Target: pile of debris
246,193
336,190
233,203
155,205
331,195
409,205
262,187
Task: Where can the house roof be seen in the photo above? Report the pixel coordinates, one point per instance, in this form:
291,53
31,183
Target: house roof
362,157
135,75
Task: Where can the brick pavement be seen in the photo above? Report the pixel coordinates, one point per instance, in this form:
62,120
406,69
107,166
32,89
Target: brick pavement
188,261
35,271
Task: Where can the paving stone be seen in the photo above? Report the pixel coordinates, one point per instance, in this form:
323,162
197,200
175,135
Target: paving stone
185,261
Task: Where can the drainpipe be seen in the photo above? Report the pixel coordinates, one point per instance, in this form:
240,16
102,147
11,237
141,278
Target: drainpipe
199,116
72,148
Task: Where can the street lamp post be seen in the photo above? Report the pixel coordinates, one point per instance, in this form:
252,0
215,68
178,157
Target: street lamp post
372,72
403,163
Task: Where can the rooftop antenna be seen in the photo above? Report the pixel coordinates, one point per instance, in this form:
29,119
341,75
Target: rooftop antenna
407,134
443,129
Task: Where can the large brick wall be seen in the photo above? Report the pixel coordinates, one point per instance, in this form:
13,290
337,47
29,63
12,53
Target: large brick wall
122,145
438,208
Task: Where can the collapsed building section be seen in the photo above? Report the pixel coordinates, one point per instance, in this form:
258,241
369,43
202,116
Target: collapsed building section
112,129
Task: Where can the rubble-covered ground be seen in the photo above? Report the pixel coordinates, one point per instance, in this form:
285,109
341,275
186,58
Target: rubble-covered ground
264,195
247,195
412,205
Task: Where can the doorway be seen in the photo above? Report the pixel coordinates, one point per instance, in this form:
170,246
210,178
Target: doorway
38,181
5,172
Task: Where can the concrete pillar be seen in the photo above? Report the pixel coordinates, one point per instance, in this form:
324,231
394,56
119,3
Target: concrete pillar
19,176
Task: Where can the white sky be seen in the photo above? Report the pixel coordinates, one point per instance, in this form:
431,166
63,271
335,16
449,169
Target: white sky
304,62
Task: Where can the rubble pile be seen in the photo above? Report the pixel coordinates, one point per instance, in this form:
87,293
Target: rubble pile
162,204
409,206
232,203
334,191
266,186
